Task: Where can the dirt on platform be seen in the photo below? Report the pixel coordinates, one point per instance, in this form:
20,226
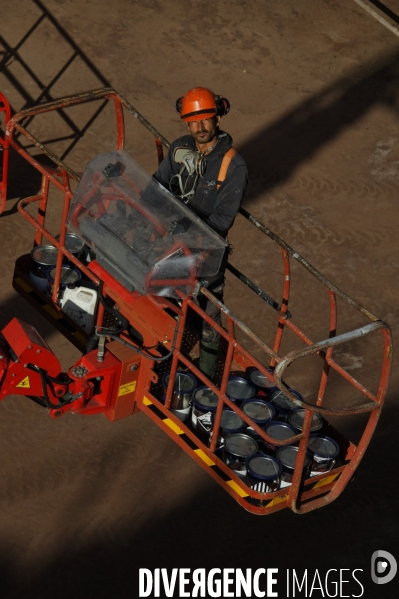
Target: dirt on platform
314,92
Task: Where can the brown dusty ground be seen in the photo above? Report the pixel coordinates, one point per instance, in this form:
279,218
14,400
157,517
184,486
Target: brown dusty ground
314,88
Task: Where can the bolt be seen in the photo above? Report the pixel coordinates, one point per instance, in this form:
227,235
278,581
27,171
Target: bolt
58,413
30,347
133,367
60,391
79,371
38,351
1,357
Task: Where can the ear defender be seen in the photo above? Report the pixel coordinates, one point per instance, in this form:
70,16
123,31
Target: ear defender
222,105
179,104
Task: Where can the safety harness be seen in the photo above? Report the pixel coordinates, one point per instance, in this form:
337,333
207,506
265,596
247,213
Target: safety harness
227,158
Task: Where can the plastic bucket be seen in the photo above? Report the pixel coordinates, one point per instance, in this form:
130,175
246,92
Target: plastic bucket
263,473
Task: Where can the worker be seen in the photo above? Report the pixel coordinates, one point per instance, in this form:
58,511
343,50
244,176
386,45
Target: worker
210,178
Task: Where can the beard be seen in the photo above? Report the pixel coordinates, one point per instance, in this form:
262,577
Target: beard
204,137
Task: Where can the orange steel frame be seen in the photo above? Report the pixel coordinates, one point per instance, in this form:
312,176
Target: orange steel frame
148,315
4,108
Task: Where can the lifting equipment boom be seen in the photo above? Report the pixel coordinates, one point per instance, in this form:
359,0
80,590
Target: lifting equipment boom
146,279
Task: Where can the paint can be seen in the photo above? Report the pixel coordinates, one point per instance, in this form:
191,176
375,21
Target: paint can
230,423
70,275
287,457
43,259
263,473
239,389
323,451
260,411
204,405
238,448
282,403
74,245
264,387
185,384
277,430
297,415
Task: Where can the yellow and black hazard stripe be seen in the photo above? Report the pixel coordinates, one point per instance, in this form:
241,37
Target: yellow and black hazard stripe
66,326
149,406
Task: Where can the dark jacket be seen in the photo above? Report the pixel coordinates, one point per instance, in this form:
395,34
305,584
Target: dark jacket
218,208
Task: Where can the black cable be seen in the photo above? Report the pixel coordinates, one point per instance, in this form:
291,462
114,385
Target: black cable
45,379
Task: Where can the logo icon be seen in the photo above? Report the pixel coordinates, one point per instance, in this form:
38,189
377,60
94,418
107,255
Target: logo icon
383,567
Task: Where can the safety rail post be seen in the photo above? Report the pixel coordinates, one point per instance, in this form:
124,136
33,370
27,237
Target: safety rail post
4,151
284,304
223,385
120,124
177,353
42,208
329,352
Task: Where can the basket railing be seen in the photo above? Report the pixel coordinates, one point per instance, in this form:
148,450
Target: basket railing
236,351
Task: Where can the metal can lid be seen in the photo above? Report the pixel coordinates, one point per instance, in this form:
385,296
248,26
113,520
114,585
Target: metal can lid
258,410
264,466
241,445
230,421
288,455
239,388
323,446
73,243
46,255
205,397
184,381
280,431
260,380
296,417
281,401
68,275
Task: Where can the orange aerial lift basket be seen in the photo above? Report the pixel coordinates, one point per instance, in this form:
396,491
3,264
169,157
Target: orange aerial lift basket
252,431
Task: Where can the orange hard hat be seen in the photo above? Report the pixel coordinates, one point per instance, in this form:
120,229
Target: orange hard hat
201,103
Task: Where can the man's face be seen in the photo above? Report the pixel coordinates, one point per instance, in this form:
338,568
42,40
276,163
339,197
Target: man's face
205,131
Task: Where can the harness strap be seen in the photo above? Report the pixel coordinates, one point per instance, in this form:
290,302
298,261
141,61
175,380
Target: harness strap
227,158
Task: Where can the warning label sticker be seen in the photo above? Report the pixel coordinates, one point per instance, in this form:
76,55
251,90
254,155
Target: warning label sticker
127,388
24,384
